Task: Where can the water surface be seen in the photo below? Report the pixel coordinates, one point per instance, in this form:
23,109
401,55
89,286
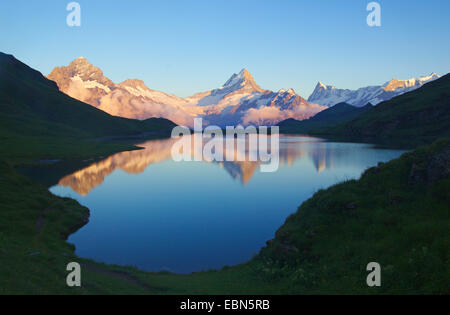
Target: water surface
151,212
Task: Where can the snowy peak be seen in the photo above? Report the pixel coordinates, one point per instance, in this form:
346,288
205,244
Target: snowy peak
395,84
288,92
82,67
291,91
80,70
80,59
321,87
134,83
434,76
239,78
330,95
319,92
242,80
137,88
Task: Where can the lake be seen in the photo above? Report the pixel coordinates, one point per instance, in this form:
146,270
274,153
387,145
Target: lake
156,214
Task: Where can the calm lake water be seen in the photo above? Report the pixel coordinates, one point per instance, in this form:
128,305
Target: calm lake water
151,212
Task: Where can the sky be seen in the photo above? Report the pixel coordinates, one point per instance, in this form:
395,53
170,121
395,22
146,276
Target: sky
184,47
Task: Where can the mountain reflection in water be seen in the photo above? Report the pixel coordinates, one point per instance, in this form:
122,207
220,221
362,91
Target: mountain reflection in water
157,151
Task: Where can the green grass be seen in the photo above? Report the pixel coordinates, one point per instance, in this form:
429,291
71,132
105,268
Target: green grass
383,217
333,116
415,118
32,220
323,248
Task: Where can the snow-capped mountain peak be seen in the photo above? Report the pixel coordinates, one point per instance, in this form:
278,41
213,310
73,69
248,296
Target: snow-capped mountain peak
395,84
135,84
242,80
287,92
320,87
330,95
291,91
81,66
81,72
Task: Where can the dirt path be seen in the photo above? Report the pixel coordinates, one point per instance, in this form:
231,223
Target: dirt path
119,275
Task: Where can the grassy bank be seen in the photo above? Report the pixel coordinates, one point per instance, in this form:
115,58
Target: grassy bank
34,225
397,214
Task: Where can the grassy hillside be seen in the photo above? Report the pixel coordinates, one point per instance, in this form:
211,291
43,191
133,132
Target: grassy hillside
33,110
414,118
397,214
330,117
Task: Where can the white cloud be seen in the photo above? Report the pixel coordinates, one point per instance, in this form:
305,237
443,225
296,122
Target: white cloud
270,115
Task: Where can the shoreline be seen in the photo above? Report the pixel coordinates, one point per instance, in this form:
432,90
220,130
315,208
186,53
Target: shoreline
96,159
285,266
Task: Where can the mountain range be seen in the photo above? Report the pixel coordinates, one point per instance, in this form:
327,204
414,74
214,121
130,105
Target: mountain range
34,106
239,101
329,95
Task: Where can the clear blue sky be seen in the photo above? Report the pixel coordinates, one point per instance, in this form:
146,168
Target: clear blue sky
188,46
